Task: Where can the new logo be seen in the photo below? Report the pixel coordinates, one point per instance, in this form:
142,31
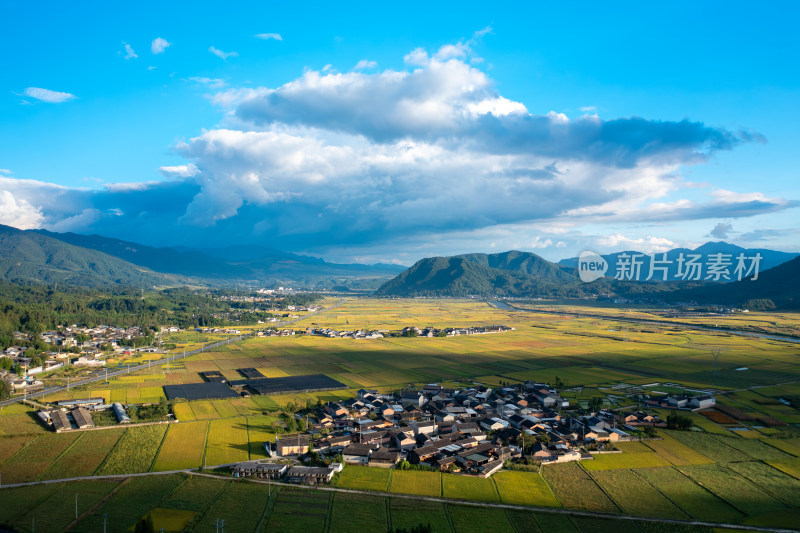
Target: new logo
591,266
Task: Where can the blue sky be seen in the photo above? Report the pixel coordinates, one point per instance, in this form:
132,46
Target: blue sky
378,133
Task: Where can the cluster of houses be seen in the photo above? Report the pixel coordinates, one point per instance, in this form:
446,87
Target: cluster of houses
453,332
77,414
224,331
683,401
75,345
354,334
275,333
405,332
473,431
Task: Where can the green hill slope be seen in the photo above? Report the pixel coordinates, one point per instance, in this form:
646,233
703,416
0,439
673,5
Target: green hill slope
30,258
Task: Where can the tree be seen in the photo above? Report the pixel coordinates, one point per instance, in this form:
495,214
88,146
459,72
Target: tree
163,407
5,390
676,421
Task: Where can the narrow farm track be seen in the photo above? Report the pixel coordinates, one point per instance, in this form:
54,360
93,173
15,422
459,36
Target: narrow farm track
503,506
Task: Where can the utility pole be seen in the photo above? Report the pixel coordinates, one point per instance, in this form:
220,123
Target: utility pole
76,506
105,518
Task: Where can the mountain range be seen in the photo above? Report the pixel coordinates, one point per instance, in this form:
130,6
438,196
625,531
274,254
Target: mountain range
769,258
40,256
523,274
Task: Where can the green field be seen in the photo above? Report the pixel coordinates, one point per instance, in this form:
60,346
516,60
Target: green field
635,496
477,520
689,496
739,492
182,447
227,441
410,513
611,461
241,504
712,474
85,455
351,513
364,477
135,450
469,488
299,510
524,488
564,480
419,483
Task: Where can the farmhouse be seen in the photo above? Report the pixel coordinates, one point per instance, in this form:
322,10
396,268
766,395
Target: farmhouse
310,475
295,445
259,470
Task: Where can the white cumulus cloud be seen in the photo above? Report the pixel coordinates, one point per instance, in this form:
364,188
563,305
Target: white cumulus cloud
159,44
129,52
46,95
365,64
222,55
268,36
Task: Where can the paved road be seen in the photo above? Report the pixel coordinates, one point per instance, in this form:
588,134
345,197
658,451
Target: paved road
546,510
684,325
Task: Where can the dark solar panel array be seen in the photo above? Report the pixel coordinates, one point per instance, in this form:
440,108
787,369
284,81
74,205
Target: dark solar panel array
199,391
213,375
310,382
251,373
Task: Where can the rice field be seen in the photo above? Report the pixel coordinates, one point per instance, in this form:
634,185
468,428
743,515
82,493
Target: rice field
675,451
711,446
469,488
695,500
29,463
635,496
365,478
135,450
139,494
477,520
524,488
227,442
85,456
564,480
299,510
183,446
613,461
352,513
241,505
57,511
739,492
413,482
410,513
196,493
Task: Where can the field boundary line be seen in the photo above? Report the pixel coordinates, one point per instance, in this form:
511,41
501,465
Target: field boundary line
67,449
99,503
158,451
446,501
271,501
670,500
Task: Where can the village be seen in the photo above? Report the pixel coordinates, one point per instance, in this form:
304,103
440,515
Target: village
472,431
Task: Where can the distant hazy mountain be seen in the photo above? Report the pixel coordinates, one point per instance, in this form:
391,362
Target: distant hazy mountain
251,264
770,258
780,285
30,257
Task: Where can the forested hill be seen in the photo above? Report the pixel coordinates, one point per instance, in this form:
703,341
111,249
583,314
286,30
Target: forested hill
27,257
523,274
511,273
